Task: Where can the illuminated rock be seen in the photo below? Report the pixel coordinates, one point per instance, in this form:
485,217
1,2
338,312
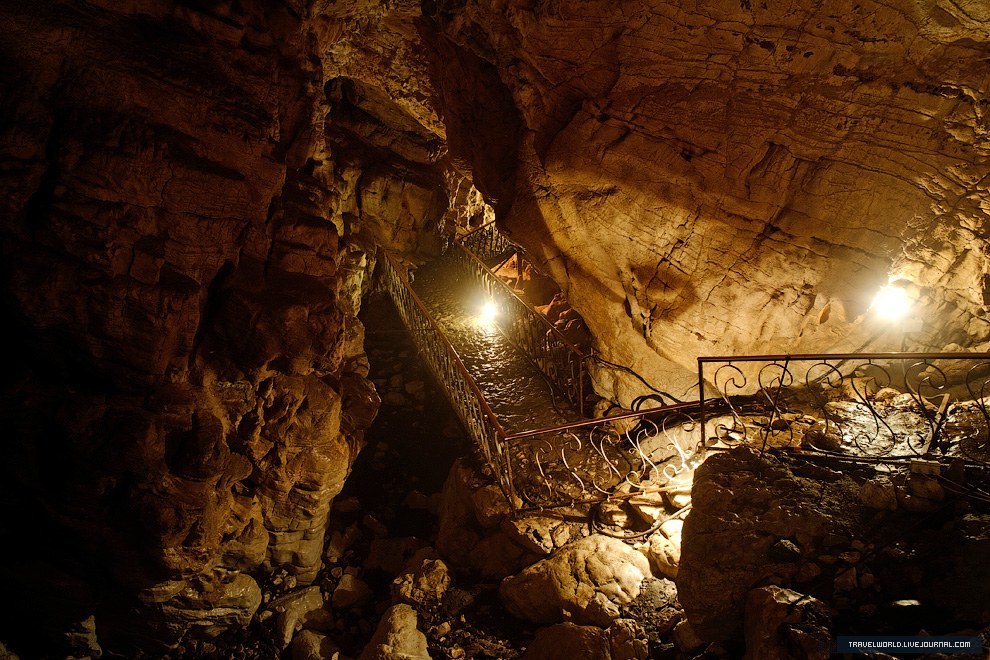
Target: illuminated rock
725,179
585,582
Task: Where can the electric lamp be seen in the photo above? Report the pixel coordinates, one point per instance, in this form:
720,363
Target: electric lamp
488,314
891,302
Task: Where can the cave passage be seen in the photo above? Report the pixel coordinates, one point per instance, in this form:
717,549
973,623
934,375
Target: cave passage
518,393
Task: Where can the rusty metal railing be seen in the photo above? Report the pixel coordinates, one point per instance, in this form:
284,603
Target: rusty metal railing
562,362
882,406
486,242
450,372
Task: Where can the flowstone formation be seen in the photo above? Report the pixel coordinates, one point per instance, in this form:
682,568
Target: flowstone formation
192,197
724,178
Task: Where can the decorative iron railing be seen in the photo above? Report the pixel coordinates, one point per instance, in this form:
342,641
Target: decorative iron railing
486,242
450,372
870,407
621,457
889,406
579,462
531,332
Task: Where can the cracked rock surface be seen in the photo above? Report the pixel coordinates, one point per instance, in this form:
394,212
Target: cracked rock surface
717,179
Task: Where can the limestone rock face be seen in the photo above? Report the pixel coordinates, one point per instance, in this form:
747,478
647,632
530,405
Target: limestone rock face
192,194
803,530
742,506
719,179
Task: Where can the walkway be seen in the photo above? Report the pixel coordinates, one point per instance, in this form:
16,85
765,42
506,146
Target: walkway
517,384
517,392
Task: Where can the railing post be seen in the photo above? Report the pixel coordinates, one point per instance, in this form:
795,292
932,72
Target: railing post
701,405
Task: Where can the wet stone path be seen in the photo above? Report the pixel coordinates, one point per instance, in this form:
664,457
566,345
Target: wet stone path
517,392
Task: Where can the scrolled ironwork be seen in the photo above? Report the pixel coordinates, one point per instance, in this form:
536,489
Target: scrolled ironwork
889,406
925,380
862,374
975,435
729,376
530,331
605,458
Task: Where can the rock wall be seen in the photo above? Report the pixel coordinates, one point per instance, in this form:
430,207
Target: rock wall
193,191
192,195
786,523
736,177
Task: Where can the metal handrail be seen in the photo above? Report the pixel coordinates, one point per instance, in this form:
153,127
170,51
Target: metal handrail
543,343
475,413
959,355
492,244
536,314
482,423
598,421
791,387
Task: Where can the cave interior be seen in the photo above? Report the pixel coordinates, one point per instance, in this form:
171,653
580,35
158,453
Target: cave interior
224,436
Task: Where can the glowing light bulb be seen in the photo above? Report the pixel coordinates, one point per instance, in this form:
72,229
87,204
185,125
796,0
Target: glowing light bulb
488,313
891,302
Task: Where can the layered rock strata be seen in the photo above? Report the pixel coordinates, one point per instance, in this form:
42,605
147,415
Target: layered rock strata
725,178
192,196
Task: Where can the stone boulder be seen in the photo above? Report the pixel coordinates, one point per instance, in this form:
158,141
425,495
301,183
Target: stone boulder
663,549
782,520
294,610
475,532
782,624
311,645
397,637
351,591
424,582
585,582
627,640
743,506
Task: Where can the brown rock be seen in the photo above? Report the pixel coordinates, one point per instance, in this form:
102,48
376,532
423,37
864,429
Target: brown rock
424,582
779,620
879,493
567,640
310,645
397,637
293,610
586,581
736,518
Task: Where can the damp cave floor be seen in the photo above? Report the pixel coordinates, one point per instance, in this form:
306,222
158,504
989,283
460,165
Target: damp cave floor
518,393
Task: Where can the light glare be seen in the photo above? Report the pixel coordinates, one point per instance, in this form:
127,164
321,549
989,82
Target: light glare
488,313
891,302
